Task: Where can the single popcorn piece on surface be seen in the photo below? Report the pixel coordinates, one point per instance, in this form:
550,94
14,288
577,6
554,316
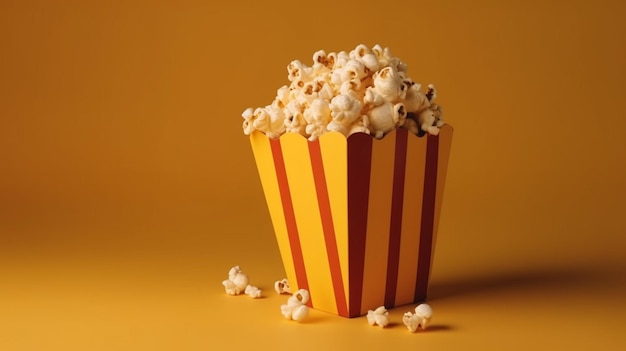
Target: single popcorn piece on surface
252,291
300,313
379,317
296,308
360,91
237,281
422,317
282,286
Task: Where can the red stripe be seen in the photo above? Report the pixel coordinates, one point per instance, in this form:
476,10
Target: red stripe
359,164
328,227
290,217
395,226
428,218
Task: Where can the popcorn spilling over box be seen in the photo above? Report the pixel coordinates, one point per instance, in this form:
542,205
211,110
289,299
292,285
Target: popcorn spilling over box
352,157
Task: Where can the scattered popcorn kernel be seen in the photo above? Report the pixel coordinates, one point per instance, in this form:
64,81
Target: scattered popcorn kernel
422,317
379,317
237,281
296,308
282,286
302,296
252,291
300,313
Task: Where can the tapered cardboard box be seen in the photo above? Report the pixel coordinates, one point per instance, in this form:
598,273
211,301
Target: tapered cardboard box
355,218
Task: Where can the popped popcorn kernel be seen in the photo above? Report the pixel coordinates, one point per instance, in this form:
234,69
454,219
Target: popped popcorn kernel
237,281
379,316
421,318
296,308
252,291
282,286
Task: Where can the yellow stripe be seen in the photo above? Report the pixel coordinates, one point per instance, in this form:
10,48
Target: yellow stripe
267,172
378,221
334,148
411,219
304,197
445,144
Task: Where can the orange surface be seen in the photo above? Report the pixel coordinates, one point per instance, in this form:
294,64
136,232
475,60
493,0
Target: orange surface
127,189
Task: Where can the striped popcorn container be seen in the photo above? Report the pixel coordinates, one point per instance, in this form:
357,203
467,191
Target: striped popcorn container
355,218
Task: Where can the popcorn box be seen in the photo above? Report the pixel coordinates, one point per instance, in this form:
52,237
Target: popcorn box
355,218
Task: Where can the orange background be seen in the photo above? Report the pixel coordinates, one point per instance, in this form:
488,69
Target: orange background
127,188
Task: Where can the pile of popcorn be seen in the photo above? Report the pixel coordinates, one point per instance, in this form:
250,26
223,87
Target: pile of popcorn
364,91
